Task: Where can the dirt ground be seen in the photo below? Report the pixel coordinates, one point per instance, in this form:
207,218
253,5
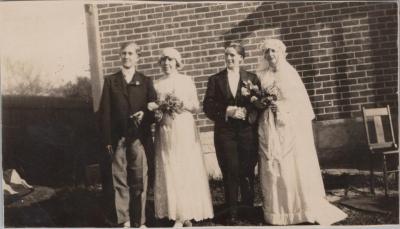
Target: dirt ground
81,207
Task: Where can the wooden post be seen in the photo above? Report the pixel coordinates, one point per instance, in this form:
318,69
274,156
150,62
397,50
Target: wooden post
96,69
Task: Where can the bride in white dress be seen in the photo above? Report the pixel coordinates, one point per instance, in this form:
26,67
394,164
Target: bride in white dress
181,189
290,175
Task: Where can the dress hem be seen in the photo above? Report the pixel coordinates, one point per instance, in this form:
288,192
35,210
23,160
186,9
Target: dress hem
326,219
188,218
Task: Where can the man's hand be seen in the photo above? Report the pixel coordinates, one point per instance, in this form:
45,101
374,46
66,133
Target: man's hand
152,106
236,112
240,113
138,117
230,111
110,150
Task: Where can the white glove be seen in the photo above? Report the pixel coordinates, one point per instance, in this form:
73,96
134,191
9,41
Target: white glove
235,112
152,106
230,111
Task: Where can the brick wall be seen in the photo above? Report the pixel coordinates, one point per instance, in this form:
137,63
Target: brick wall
345,52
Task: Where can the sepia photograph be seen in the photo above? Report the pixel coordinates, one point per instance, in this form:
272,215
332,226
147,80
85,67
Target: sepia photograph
135,114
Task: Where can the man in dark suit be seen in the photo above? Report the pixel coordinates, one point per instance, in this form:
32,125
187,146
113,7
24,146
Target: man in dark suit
235,138
125,125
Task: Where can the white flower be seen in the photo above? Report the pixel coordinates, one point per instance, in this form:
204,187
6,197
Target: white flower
245,91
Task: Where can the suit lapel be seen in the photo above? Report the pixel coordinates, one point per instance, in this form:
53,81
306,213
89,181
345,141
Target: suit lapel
137,79
224,84
121,83
243,78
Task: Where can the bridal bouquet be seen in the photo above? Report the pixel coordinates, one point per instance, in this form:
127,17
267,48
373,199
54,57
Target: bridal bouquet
170,105
271,94
266,96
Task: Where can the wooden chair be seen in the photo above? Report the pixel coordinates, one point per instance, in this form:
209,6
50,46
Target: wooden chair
381,142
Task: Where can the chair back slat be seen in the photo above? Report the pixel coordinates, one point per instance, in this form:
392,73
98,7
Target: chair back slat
377,135
376,111
381,145
380,134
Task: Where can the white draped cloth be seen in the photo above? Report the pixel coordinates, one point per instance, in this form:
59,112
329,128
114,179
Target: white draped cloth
181,190
291,180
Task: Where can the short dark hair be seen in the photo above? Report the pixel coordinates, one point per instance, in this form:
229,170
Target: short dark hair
129,43
238,47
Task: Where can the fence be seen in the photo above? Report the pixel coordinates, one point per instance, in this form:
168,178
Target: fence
50,139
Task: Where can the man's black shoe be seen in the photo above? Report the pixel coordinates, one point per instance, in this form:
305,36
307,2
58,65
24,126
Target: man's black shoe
232,221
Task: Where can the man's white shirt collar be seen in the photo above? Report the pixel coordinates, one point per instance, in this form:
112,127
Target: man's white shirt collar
233,80
128,74
234,72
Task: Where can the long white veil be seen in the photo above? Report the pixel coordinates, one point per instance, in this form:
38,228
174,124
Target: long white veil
289,81
295,92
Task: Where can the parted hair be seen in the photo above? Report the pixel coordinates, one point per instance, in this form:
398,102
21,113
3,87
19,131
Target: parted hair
238,47
129,43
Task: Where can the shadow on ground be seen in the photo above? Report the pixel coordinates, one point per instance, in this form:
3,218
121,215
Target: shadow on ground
81,207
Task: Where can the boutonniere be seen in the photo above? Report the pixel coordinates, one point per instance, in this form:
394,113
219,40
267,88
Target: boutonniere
249,88
246,88
245,91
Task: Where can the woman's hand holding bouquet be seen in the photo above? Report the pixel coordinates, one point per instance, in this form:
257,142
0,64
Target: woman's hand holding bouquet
169,106
263,98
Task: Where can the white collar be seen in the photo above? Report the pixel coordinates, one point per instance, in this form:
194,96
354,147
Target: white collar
234,72
173,75
128,73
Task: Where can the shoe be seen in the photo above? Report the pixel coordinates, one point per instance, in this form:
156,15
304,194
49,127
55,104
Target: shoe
232,221
127,224
187,223
178,224
142,226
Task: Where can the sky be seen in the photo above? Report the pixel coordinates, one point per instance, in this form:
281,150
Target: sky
49,35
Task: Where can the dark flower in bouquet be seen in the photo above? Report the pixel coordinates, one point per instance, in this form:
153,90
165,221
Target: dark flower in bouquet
271,94
170,106
266,96
250,90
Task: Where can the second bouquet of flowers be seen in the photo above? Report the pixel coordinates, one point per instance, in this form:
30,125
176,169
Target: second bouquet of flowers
168,107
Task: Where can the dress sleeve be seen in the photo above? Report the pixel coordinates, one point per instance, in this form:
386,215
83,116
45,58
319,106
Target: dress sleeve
190,101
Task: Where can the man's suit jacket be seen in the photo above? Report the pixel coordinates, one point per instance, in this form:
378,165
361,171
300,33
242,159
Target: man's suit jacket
219,96
119,101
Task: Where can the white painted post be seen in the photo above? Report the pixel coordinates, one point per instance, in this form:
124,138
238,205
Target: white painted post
96,68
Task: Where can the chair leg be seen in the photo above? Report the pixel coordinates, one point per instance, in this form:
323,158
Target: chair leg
371,177
385,178
347,184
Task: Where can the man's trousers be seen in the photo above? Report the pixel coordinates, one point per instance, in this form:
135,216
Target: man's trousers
125,183
236,150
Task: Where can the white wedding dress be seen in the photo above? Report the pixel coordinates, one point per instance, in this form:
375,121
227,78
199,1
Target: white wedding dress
290,175
181,190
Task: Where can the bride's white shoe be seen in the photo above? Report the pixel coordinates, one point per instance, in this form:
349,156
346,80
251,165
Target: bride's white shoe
178,224
187,223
